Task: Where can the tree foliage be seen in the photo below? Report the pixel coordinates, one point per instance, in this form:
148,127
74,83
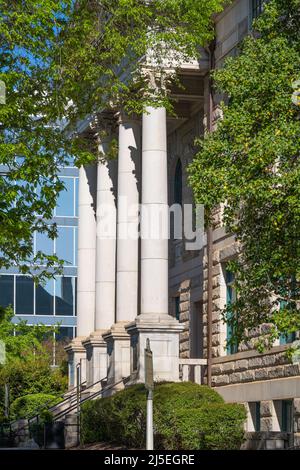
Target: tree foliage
27,365
110,50
251,163
31,150
62,61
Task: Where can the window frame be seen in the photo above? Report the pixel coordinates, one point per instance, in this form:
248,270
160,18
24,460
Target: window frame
230,297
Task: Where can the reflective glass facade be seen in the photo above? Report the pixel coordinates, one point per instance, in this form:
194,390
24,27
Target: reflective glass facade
54,300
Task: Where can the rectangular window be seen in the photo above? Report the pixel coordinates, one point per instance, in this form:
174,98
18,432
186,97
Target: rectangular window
44,298
76,195
64,296
177,308
232,348
76,245
254,408
290,337
6,291
65,201
64,333
256,8
44,244
286,416
65,245
257,416
196,330
24,295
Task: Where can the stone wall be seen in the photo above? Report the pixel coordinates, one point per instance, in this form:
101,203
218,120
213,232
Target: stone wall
184,317
239,369
247,365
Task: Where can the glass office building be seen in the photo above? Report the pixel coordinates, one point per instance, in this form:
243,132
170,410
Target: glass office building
54,301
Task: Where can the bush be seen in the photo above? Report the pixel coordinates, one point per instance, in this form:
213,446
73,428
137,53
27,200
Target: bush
31,376
186,416
29,406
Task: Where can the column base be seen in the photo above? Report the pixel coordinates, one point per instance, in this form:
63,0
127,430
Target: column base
76,355
163,332
96,359
118,351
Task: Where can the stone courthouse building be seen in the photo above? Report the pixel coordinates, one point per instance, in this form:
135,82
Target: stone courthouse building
132,289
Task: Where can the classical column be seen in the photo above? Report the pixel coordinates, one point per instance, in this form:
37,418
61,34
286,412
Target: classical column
86,264
86,251
95,345
117,339
154,322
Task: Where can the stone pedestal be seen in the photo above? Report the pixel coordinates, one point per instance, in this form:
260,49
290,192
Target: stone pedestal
96,358
163,332
118,351
76,355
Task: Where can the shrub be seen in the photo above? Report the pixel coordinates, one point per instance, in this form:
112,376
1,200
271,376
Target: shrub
31,376
29,406
186,416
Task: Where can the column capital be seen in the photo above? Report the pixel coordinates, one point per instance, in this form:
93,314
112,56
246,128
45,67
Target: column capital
123,118
104,126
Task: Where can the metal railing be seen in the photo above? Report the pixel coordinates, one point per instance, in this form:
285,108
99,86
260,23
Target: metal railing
96,394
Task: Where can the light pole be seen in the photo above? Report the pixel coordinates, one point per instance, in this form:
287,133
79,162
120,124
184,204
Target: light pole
149,384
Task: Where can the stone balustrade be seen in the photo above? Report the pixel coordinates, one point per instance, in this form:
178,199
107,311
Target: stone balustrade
192,370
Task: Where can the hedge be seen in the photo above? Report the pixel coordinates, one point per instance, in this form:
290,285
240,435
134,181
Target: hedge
187,416
29,406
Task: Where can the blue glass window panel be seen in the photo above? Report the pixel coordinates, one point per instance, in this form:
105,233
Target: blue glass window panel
44,244
65,245
24,295
44,298
65,332
76,195
76,246
6,291
75,302
65,200
64,296
69,161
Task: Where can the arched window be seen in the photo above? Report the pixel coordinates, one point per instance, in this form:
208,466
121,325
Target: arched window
178,184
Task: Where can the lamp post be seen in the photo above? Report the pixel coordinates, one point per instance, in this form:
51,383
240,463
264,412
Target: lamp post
149,384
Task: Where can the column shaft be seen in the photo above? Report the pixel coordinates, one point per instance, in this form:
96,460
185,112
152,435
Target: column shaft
106,243
154,324
127,225
154,247
86,251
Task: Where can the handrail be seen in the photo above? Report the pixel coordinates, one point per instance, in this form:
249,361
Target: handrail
36,417
51,407
70,397
72,406
99,392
